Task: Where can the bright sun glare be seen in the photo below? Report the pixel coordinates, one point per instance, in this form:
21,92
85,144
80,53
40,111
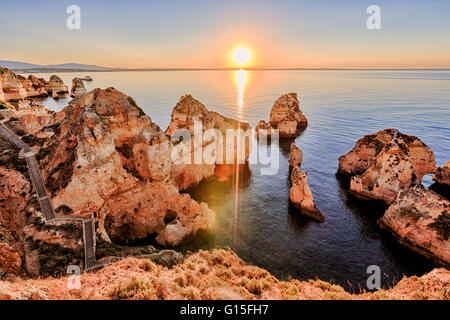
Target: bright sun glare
241,56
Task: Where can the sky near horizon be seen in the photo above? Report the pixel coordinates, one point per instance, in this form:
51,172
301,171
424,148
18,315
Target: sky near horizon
202,33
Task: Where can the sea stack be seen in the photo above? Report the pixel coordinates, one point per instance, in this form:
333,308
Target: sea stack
300,193
190,112
56,86
285,116
78,88
382,164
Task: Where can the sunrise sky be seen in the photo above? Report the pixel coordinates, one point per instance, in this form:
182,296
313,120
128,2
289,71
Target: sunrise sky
202,34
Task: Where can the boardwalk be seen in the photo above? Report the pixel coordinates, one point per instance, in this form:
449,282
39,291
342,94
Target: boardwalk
45,200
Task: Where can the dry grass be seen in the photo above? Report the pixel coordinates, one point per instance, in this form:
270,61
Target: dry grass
213,274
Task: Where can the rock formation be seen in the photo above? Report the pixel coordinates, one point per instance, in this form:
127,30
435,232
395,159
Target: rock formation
384,163
32,90
107,156
16,87
212,136
13,89
101,154
296,156
421,220
263,129
10,260
33,116
285,116
300,193
78,88
37,82
56,86
442,174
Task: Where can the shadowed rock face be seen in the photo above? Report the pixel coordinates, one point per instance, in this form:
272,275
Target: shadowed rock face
384,163
300,193
10,260
107,156
37,82
421,220
442,174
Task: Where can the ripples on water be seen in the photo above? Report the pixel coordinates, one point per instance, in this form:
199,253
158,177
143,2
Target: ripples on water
341,107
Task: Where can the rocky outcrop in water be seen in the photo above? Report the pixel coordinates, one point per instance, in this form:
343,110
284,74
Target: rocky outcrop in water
263,129
56,86
420,219
382,164
296,157
285,116
442,174
78,88
300,193
16,87
211,139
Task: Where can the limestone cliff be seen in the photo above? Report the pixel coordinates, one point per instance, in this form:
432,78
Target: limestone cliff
420,219
225,141
386,162
108,157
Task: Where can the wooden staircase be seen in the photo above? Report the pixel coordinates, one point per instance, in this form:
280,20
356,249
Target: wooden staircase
45,201
89,244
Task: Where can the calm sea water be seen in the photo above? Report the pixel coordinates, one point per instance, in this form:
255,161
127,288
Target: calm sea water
341,107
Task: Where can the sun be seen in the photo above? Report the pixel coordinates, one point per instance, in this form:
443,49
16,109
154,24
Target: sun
241,56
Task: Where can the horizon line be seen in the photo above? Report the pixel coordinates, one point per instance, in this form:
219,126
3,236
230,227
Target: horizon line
107,69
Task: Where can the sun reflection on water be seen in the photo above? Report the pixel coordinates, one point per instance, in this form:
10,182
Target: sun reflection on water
241,78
